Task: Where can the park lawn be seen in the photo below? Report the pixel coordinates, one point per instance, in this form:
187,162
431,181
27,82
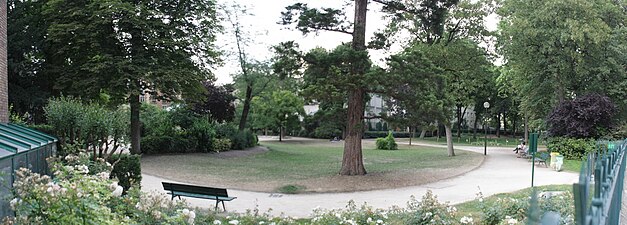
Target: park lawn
467,139
293,162
474,207
572,165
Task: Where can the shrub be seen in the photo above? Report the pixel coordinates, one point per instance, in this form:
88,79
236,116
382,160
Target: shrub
79,195
203,134
127,169
91,125
387,143
167,144
45,128
587,116
221,144
225,130
378,134
244,139
429,211
571,148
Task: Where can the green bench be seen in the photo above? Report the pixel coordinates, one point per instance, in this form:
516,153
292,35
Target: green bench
178,190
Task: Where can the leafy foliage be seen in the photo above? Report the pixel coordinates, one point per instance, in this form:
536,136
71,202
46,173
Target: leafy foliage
90,126
127,170
570,47
571,148
221,144
217,103
387,143
588,116
278,110
84,194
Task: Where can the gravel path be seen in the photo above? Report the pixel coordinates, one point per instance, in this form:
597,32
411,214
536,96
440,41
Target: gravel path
501,172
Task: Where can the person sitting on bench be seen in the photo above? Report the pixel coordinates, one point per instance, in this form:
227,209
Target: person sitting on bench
520,147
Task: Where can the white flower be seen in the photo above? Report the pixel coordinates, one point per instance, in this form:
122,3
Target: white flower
351,222
217,222
234,222
369,220
512,221
466,220
14,202
103,175
428,214
191,217
118,191
82,169
379,221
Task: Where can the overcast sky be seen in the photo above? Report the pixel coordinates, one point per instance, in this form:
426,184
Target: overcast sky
262,24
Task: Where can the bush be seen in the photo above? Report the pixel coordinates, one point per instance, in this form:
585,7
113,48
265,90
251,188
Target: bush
571,148
167,144
203,134
91,125
244,139
221,144
225,130
387,143
127,169
45,128
378,134
587,116
80,195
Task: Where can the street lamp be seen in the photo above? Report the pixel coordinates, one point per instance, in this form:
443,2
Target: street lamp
486,105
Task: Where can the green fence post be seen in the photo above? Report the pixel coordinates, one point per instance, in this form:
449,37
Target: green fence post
533,148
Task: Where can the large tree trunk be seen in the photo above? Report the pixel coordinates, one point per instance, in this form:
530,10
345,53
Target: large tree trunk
423,132
246,108
459,120
505,124
352,161
280,133
135,124
449,139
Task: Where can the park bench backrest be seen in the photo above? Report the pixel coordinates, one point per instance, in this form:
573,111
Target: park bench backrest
195,189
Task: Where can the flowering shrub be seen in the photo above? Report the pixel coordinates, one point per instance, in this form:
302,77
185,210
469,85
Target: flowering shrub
430,211
82,193
510,211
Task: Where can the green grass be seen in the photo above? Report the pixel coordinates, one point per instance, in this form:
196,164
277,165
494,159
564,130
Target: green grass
467,139
291,189
572,165
291,161
473,207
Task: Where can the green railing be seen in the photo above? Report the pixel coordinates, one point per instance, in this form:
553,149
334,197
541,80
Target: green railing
598,193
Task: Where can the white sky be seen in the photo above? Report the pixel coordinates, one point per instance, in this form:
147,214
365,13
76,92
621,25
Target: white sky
262,24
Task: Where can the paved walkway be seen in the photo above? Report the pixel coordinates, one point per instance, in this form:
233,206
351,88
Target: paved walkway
501,172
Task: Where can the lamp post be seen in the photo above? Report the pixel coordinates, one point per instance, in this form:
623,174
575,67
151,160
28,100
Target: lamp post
486,105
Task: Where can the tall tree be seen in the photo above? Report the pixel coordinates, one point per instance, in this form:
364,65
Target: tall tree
312,20
448,32
30,84
127,48
278,109
557,50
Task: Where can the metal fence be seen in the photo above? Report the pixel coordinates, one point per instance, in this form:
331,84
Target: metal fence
598,193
